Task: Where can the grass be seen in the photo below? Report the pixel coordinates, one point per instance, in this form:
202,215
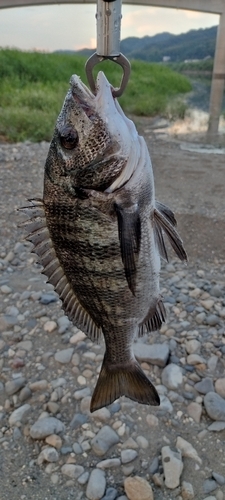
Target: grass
33,87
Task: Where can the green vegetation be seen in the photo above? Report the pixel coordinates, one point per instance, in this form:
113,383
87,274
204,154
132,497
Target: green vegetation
33,87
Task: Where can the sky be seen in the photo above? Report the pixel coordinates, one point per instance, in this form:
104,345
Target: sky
53,27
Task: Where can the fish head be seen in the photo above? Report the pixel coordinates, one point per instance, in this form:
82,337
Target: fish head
92,139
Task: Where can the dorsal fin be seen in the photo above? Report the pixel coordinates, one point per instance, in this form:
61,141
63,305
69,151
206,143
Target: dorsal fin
40,237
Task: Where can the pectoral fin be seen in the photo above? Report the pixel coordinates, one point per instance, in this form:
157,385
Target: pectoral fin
129,230
164,221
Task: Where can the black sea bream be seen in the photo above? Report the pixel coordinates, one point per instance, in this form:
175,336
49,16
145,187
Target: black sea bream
98,233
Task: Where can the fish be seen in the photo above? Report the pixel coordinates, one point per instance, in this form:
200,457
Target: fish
99,234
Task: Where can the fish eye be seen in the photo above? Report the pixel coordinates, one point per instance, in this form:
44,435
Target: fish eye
68,137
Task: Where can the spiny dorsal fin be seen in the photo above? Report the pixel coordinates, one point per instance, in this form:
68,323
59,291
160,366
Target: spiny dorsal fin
164,224
129,230
40,237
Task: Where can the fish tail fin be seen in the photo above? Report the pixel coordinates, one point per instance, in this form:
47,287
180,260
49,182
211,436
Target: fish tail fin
124,380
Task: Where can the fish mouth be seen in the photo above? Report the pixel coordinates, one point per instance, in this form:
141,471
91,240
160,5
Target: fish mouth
90,103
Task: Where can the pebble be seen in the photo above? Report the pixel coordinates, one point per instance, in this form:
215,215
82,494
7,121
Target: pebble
156,354
205,386
192,346
215,406
152,420
128,456
49,454
187,491
109,463
212,320
54,440
110,494
187,449
219,478
103,414
18,414
72,470
142,442
172,376
195,411
64,356
137,488
96,485
195,359
209,485
172,467
83,479
104,440
13,386
50,326
217,426
46,426
25,394
220,387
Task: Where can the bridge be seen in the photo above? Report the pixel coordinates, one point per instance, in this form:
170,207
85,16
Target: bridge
207,6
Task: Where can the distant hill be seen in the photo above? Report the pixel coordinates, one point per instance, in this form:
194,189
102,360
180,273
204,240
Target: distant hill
195,44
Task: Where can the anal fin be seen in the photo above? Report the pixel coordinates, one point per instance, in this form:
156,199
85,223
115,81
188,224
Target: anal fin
153,321
163,224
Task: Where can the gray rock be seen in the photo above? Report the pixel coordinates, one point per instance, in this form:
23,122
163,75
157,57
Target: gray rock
156,354
217,426
46,426
216,291
187,449
77,449
18,414
82,393
104,440
209,485
195,411
96,485
172,376
17,434
109,463
187,491
78,420
13,386
83,479
25,394
205,386
72,470
154,466
212,320
48,298
128,456
215,406
172,466
220,387
49,454
142,442
218,478
64,356
165,405
25,345
110,494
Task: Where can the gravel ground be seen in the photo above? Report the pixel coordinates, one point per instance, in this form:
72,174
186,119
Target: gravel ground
51,446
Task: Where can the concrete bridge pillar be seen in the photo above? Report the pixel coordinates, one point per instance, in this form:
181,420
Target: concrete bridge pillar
218,80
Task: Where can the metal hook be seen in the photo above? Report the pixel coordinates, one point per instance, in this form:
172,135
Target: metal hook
120,59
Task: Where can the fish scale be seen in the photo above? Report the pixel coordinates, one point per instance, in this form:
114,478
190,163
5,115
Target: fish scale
99,234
